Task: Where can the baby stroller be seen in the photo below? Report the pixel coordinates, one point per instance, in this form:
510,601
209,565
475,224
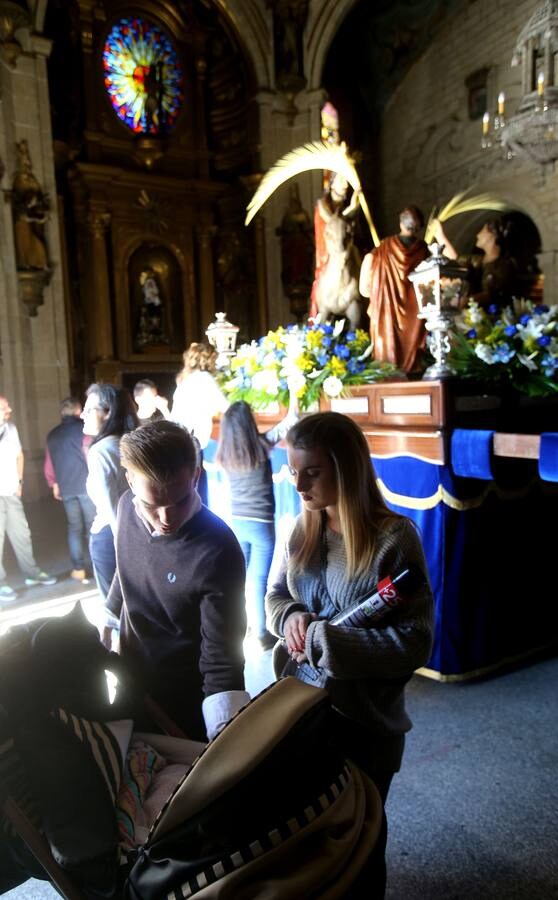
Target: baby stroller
268,809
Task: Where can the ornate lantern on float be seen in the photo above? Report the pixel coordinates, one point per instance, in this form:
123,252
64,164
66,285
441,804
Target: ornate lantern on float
222,335
440,286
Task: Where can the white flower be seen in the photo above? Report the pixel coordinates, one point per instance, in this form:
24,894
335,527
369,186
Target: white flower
475,313
527,362
484,352
333,386
266,380
366,353
338,327
296,381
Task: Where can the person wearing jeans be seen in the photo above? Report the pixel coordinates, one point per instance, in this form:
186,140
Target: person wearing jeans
13,521
65,470
108,413
244,455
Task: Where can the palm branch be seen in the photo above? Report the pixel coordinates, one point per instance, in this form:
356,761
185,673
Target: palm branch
461,203
314,155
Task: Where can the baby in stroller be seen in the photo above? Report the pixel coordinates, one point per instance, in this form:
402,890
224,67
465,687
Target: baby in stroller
266,809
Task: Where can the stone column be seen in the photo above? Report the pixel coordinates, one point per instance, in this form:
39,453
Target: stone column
99,313
206,289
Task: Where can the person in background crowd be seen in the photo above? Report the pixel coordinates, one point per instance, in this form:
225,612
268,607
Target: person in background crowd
345,541
13,521
198,398
178,593
151,405
108,413
65,470
244,455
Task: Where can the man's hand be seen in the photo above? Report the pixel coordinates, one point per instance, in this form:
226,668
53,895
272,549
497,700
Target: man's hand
295,630
56,492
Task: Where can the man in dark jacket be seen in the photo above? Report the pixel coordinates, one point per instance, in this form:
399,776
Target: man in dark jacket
65,470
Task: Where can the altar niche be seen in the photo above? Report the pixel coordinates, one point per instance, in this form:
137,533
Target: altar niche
156,319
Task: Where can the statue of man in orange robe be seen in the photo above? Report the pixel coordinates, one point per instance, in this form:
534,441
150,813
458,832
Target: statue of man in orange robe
396,333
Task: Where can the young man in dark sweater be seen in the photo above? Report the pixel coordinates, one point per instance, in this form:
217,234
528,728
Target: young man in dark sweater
178,591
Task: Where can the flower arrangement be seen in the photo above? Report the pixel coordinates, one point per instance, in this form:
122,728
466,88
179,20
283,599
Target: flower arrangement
516,346
302,362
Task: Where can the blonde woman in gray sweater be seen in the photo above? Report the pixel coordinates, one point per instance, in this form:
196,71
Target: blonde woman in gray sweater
345,541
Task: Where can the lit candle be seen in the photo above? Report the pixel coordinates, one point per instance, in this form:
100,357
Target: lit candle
540,84
486,123
501,101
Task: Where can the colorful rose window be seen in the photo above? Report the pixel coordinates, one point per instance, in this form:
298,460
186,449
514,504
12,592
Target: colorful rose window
143,76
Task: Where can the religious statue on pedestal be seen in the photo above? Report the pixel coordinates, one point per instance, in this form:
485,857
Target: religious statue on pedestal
396,332
30,208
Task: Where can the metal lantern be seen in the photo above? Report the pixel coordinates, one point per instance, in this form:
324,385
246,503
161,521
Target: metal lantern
440,286
222,335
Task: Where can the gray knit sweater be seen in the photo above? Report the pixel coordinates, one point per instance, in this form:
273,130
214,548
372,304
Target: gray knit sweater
367,668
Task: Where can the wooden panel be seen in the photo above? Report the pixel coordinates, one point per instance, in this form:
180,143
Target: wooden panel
428,446
519,446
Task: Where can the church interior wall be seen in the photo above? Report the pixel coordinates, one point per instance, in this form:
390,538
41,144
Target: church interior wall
431,150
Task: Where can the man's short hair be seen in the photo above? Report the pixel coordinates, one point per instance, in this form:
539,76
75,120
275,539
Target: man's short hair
159,450
144,385
70,406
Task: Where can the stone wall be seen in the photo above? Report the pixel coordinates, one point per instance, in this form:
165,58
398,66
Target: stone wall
430,150
34,358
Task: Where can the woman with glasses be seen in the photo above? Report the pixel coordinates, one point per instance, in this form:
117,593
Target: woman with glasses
107,415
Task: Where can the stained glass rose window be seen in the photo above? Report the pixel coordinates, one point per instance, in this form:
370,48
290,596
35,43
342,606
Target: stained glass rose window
143,76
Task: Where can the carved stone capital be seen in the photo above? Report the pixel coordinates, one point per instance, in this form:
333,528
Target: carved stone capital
98,222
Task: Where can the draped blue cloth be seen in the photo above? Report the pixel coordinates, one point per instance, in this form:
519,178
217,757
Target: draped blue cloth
489,554
471,453
548,456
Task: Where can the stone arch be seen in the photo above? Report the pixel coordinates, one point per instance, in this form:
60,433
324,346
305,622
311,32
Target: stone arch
252,27
323,24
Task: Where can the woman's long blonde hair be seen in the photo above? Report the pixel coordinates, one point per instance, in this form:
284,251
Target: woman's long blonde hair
362,509
198,357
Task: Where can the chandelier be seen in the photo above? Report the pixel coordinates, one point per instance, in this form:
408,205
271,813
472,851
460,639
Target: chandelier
532,132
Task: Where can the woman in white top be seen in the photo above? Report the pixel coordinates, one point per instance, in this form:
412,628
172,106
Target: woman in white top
107,415
198,398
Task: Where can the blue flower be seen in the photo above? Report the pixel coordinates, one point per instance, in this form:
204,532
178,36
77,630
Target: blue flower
539,309
342,351
543,340
354,366
504,353
510,330
322,359
283,384
327,329
246,382
525,319
350,336
471,334
493,309
326,341
549,364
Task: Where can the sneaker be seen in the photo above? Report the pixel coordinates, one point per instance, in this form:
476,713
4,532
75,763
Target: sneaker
7,593
41,578
80,575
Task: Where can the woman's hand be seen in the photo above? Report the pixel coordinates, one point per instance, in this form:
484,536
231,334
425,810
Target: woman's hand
295,630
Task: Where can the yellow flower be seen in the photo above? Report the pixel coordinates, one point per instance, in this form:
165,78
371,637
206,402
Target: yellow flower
304,363
337,366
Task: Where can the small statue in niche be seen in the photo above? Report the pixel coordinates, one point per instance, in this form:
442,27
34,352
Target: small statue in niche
30,209
151,325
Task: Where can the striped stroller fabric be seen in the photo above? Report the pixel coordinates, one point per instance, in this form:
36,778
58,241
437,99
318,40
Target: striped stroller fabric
266,842
101,743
